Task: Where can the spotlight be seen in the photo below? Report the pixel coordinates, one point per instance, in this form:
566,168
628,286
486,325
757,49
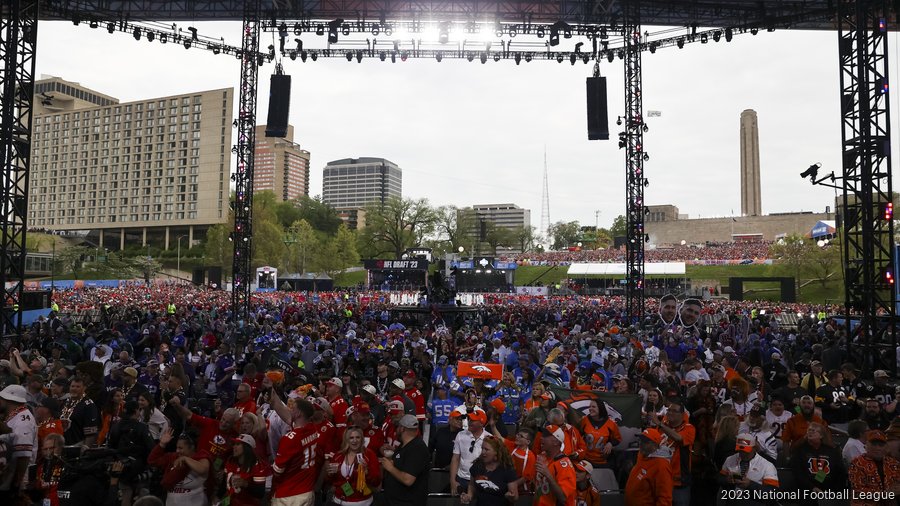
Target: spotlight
187,43
151,36
555,28
496,57
717,35
470,56
754,31
586,59
540,33
652,48
345,29
680,43
559,58
483,57
292,55
137,33
646,157
517,58
382,56
444,32
621,54
646,183
393,56
619,121
603,34
76,19
645,128
333,30
889,211
573,58
704,38
528,57
439,56
610,56
320,29
729,33
314,56
404,55
93,24
349,56
111,27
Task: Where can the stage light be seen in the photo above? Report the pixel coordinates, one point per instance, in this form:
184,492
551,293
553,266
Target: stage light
496,57
444,32
645,128
559,58
303,55
404,55
528,57
163,38
729,33
470,56
187,43
76,19
646,237
646,183
554,36
540,32
621,54
603,34
586,59
483,57
811,172
573,58
345,29
646,157
619,121
652,48
151,36
382,56
889,277
393,56
136,33
314,56
754,31
717,35
320,29
93,24
513,31
439,56
517,58
349,56
704,38
610,57
680,43
111,27
888,211
333,30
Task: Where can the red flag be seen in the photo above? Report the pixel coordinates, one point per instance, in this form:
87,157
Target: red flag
480,370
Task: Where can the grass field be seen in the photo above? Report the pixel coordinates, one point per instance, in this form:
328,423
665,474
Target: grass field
814,291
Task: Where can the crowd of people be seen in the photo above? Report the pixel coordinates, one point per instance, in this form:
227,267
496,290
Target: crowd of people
155,393
741,251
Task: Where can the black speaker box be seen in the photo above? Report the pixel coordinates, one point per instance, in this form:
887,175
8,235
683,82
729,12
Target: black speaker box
215,277
279,105
199,276
36,299
597,119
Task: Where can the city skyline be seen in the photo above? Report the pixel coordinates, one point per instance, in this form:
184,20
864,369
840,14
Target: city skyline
466,132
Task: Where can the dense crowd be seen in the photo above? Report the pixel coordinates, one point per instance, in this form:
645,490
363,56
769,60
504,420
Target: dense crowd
146,394
709,253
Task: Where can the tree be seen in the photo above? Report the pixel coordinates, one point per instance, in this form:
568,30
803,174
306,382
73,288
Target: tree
524,237
337,253
496,236
563,235
268,244
825,261
795,252
454,226
146,266
619,226
318,214
71,259
303,243
396,226
287,212
218,250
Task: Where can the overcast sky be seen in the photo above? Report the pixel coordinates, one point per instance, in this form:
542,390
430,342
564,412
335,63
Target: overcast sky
466,133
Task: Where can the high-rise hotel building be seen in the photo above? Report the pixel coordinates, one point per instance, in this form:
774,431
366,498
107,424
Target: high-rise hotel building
129,173
280,166
352,183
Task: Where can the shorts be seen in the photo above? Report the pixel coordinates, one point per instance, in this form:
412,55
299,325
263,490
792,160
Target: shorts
304,499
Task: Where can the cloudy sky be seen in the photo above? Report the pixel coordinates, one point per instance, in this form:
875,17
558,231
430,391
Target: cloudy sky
466,133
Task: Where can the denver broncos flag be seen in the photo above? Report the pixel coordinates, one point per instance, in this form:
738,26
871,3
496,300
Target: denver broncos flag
482,370
624,409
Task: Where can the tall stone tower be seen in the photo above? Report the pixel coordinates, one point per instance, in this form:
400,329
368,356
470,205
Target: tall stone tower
751,201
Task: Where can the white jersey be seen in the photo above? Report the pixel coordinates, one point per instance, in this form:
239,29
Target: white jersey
21,442
760,471
777,422
766,444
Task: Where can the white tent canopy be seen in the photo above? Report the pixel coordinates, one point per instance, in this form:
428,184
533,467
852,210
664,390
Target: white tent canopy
618,269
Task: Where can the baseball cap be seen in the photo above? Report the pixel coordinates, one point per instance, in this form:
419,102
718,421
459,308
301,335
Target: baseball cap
876,435
409,422
554,431
131,371
584,466
363,407
245,438
816,362
410,374
651,434
776,356
498,405
881,373
619,377
336,382
396,407
744,443
728,349
457,414
14,393
370,389
399,384
394,364
548,396
478,416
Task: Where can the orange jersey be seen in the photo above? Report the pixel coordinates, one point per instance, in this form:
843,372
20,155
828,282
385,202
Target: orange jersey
563,473
524,463
595,438
681,452
573,444
51,426
588,497
650,483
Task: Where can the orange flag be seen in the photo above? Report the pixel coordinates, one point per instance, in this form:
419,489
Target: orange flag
481,370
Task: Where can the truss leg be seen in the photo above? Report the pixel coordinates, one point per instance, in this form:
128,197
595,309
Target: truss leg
18,40
868,238
243,203
634,174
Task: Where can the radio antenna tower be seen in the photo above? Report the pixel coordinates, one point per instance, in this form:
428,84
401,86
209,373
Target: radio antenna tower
545,205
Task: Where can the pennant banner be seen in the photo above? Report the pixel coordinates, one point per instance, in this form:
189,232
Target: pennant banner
480,370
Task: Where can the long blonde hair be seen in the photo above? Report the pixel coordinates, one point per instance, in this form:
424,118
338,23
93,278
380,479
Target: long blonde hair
345,443
728,428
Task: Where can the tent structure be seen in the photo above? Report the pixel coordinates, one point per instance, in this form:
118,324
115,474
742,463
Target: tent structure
618,269
823,229
309,282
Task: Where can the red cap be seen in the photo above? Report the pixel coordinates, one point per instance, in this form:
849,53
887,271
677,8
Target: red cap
410,374
478,416
652,434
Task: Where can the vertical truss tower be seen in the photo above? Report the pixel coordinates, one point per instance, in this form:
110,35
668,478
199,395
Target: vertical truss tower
243,176
545,204
18,40
634,170
868,230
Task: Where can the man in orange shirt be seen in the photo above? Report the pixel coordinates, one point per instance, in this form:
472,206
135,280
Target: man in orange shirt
794,432
573,444
679,436
650,482
45,414
555,473
588,495
523,458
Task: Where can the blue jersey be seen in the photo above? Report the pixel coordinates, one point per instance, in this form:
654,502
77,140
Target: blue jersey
512,398
441,409
443,375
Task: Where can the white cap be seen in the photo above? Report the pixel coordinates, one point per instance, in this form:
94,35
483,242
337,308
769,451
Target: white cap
14,393
399,384
336,382
370,389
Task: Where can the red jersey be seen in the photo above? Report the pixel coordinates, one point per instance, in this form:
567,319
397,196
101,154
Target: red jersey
390,434
297,462
248,406
212,440
339,409
374,439
330,437
347,478
419,400
256,476
51,426
595,438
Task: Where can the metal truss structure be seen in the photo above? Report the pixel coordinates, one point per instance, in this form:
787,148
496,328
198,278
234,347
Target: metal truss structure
18,40
633,139
242,236
868,229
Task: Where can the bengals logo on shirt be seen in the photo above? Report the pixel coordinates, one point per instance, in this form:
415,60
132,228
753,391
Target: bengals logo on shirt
819,465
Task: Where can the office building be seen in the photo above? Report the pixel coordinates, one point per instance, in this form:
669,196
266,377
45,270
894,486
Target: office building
482,217
152,170
280,166
751,201
353,183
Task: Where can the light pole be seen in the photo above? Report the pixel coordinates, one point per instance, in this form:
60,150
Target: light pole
178,261
53,268
290,238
